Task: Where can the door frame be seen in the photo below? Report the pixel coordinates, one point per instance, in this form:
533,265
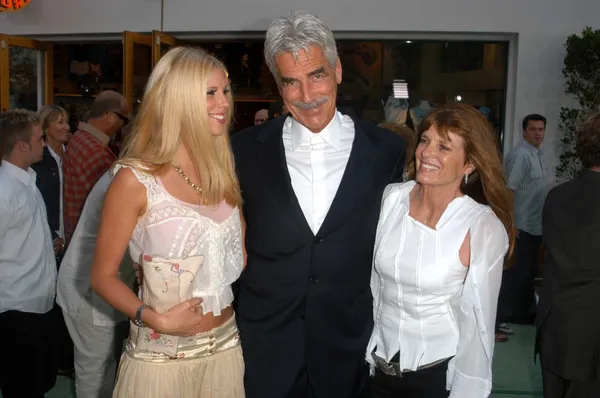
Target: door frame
129,41
159,38
45,68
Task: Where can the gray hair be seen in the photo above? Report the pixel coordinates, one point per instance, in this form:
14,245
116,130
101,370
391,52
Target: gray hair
294,33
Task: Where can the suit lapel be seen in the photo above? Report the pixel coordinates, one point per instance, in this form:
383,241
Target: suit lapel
271,157
357,177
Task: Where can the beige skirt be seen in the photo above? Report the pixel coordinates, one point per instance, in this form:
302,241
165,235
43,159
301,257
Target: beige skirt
212,367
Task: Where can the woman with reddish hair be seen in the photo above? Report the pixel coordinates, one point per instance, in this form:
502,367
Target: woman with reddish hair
437,269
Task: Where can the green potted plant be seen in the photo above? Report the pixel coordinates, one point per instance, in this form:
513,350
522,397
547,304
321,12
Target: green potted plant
582,80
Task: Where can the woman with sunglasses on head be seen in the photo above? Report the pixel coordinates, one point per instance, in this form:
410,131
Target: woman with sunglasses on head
439,253
174,201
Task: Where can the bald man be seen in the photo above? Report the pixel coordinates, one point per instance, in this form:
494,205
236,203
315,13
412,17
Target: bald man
88,155
261,116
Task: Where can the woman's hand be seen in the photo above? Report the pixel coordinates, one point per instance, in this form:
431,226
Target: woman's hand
182,320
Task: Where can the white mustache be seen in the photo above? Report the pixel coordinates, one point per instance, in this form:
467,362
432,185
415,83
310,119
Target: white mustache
310,105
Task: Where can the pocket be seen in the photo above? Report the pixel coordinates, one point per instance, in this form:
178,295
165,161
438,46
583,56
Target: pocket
537,170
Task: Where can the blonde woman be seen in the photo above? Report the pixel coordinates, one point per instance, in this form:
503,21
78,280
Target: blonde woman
55,125
174,200
49,180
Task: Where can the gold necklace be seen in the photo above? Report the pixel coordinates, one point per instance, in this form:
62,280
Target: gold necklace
188,181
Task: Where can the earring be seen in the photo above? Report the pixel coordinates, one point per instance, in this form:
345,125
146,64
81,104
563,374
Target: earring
466,178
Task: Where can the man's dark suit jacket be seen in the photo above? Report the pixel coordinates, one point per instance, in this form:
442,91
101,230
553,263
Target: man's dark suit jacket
48,182
304,299
568,321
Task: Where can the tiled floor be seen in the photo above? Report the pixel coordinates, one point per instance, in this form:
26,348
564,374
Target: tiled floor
515,374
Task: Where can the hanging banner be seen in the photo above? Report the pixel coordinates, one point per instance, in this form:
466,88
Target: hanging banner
13,5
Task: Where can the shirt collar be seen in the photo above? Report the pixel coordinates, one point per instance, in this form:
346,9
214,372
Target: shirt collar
99,135
330,134
26,177
531,148
54,154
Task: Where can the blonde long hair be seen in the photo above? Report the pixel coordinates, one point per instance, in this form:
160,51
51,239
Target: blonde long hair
173,112
486,184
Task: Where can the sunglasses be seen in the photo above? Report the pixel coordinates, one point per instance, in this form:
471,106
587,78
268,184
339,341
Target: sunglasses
124,119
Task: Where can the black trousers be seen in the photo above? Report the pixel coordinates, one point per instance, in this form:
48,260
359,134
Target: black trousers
301,387
424,383
516,302
557,387
30,361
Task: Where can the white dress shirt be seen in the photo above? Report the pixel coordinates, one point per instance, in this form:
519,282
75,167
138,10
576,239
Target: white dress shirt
316,163
75,268
422,308
27,262
61,222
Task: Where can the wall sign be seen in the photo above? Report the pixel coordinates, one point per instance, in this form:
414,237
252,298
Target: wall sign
13,5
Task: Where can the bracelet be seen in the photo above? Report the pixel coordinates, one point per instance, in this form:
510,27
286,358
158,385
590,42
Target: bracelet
138,316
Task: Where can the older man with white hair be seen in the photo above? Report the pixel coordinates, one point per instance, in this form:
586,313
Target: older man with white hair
312,185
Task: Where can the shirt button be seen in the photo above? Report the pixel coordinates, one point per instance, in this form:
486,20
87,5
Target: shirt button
318,240
302,318
313,280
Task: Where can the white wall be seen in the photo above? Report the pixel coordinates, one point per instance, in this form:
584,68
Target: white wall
542,27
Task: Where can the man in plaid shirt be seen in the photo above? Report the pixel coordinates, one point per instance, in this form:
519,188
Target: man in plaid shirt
88,155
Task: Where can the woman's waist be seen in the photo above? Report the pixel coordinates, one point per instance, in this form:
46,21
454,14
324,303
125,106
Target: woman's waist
418,310
413,350
214,300
221,334
212,323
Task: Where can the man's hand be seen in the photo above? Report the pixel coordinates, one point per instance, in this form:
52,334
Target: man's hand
59,245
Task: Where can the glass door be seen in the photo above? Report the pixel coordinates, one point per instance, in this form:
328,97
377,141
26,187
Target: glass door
25,73
161,43
137,65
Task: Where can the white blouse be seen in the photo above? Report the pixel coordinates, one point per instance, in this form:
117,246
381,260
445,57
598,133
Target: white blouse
427,305
173,229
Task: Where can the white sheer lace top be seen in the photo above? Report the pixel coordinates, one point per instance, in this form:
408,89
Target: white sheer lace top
173,229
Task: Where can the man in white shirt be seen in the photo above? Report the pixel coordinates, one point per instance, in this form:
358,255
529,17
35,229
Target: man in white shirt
97,329
312,185
27,264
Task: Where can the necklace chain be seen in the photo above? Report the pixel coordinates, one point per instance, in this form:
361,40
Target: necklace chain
188,181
